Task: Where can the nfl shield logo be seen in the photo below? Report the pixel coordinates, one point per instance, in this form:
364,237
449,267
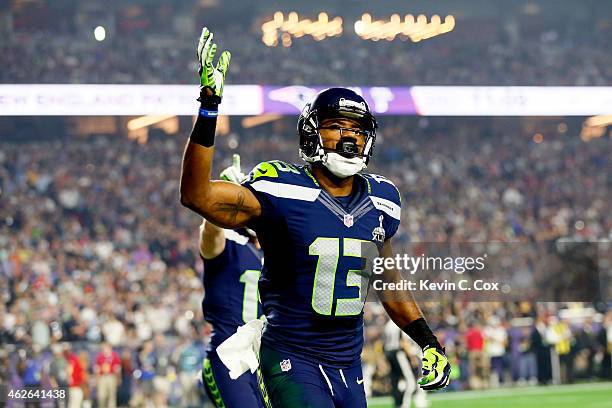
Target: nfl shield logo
285,365
348,220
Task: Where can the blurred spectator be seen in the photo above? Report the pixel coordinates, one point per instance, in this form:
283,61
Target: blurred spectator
527,370
479,363
87,383
113,331
585,349
124,392
189,358
33,371
605,346
560,336
146,362
542,350
496,340
161,381
41,334
5,370
59,369
76,378
108,371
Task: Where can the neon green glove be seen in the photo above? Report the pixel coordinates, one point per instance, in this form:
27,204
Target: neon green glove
436,369
233,173
212,78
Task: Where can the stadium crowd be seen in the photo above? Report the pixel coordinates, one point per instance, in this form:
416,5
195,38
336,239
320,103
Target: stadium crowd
570,51
99,269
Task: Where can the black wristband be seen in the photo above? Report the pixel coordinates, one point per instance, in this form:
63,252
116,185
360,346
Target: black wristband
419,331
203,132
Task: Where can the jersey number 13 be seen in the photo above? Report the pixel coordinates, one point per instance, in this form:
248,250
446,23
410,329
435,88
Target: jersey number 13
328,251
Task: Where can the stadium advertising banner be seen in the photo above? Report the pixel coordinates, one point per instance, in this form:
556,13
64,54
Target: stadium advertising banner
512,100
458,100
100,100
290,100
120,100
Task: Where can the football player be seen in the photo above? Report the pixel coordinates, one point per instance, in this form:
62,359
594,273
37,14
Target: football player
232,266
317,224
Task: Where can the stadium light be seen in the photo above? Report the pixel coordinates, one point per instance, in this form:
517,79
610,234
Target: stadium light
292,26
416,29
259,120
538,138
599,120
595,127
145,121
100,33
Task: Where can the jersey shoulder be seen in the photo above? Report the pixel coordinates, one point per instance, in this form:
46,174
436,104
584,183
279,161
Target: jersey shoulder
382,187
232,236
283,180
384,195
279,171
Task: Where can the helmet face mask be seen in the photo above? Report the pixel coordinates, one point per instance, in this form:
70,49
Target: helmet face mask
337,104
347,145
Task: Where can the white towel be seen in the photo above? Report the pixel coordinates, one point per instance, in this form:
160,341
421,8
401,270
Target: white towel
240,352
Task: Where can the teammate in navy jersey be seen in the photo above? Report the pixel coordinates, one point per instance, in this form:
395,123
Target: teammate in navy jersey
232,266
317,225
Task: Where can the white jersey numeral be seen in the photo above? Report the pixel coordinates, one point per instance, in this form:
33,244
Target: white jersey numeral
328,251
250,300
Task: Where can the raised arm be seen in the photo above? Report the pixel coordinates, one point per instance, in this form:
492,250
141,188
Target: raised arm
406,314
226,204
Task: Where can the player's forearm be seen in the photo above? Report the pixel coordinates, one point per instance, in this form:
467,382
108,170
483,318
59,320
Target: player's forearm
403,309
400,306
212,240
224,203
197,160
402,312
195,186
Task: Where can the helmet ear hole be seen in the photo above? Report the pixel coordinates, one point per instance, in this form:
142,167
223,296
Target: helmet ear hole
309,137
309,143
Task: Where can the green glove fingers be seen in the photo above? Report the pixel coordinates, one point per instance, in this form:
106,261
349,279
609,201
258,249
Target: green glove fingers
222,66
203,42
210,55
207,77
233,173
223,63
211,78
236,161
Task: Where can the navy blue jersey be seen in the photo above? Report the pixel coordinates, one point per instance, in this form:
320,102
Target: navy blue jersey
230,287
313,286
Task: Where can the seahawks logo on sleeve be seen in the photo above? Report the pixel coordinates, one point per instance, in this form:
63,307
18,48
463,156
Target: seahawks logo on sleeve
272,169
281,180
